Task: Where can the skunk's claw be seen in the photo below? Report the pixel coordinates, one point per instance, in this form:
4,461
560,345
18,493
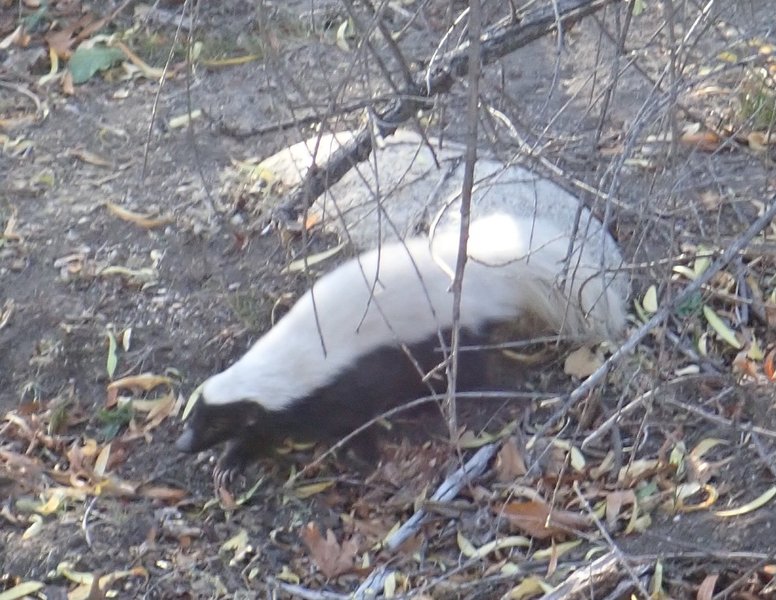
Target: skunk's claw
223,477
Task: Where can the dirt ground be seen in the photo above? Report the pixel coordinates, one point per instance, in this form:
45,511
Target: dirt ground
199,286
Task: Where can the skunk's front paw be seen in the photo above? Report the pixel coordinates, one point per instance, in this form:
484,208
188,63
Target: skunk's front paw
230,465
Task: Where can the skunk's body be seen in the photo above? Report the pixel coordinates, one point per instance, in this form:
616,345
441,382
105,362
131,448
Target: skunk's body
362,340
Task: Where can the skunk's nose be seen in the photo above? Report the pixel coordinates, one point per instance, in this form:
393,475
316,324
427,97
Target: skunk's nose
185,443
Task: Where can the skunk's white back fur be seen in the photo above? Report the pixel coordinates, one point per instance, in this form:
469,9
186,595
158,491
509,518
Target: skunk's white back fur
400,294
409,182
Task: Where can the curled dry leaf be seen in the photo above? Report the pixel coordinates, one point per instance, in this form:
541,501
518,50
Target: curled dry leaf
469,440
35,527
144,382
555,551
769,365
743,366
145,221
89,157
143,67
688,490
18,37
163,493
758,502
184,119
760,140
638,470
92,586
465,546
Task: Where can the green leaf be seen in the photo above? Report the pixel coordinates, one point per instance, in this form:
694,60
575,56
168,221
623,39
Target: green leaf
85,62
112,358
722,330
113,420
192,401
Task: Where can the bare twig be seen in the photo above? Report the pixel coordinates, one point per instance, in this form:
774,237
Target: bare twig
472,120
743,427
299,591
615,73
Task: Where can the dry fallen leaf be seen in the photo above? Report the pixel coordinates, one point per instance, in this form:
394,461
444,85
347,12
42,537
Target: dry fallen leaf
146,221
692,489
650,300
758,502
581,363
239,545
512,541
331,557
530,587
541,521
706,588
145,382
306,491
615,501
163,493
760,140
707,141
769,365
18,37
510,463
89,157
722,330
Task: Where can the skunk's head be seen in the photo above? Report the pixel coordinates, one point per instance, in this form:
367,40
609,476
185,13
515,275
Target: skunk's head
214,420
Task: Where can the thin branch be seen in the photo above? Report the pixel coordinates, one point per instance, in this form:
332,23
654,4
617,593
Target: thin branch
472,120
497,41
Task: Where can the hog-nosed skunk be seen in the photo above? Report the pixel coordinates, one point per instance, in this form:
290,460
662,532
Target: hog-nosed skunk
361,341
